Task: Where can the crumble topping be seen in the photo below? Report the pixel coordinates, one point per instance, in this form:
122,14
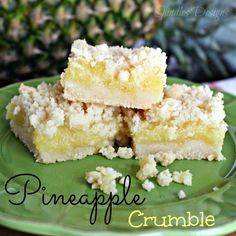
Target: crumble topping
183,177
148,185
164,178
16,110
104,178
119,59
47,110
181,104
123,76
147,168
181,194
109,152
136,123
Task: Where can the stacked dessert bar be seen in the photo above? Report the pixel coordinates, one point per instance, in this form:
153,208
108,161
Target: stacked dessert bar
114,93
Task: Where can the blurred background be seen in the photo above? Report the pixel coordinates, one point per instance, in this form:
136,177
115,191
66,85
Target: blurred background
198,36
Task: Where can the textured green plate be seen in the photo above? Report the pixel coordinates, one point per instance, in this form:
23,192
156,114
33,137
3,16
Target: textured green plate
67,178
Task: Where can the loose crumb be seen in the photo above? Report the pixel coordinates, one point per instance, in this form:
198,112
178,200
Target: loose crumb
148,185
125,153
181,194
215,188
108,152
183,177
147,168
122,152
104,178
164,178
165,158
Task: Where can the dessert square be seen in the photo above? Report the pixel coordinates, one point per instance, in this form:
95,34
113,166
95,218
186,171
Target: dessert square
115,76
55,129
187,124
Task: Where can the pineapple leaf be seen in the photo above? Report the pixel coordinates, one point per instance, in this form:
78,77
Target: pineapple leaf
230,59
199,37
217,62
180,55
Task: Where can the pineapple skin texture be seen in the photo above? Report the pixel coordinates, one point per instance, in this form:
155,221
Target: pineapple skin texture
200,46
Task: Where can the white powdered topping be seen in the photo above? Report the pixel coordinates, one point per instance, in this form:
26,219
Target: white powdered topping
119,59
148,185
181,194
164,178
104,178
46,110
183,177
147,168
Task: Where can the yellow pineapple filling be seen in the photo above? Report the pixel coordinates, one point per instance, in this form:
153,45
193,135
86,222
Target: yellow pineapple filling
156,133
84,74
67,140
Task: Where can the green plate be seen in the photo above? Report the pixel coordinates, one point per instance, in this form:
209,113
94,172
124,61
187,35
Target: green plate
68,178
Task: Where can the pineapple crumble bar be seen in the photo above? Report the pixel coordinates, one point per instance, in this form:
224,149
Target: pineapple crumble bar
115,76
55,129
187,124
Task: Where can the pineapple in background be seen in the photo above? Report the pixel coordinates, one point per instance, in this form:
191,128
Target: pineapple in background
201,46
36,36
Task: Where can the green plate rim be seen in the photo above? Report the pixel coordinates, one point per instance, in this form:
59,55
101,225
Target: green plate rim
49,228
